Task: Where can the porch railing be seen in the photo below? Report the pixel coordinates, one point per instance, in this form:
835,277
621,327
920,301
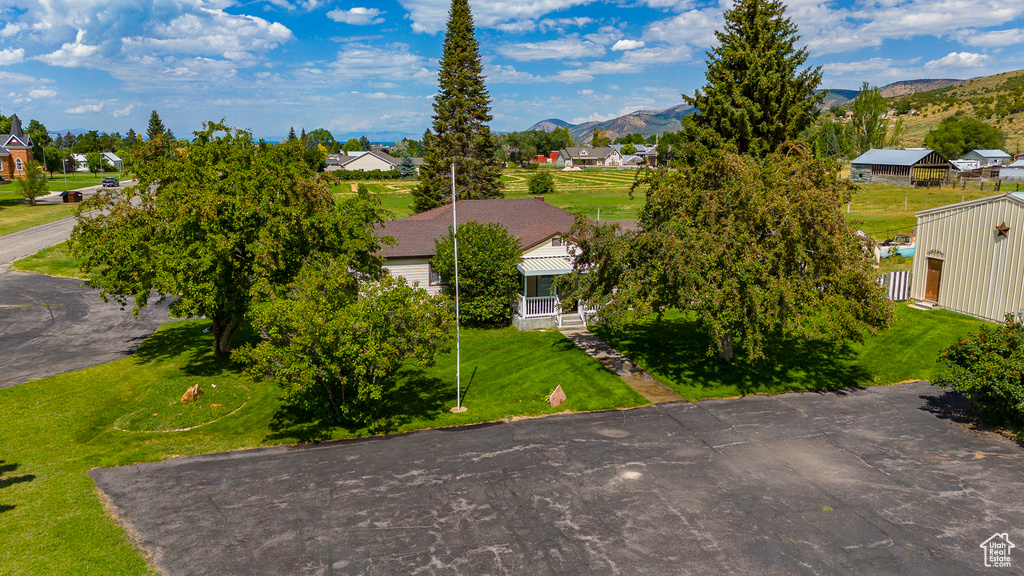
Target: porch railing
539,306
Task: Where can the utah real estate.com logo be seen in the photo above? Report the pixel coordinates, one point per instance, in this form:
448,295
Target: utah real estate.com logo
997,550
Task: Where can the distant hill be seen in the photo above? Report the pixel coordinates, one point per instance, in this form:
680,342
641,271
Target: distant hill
646,122
838,97
908,87
997,100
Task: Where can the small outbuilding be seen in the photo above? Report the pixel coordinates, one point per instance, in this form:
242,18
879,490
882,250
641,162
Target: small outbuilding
989,157
970,256
911,167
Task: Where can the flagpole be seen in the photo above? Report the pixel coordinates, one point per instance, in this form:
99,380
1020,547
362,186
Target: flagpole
458,333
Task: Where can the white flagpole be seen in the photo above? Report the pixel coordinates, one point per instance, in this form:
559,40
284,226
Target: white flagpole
458,328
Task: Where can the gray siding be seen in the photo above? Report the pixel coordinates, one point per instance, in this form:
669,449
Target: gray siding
982,273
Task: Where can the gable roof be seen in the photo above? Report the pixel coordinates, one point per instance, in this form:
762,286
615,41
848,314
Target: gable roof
991,153
379,155
531,220
590,151
888,157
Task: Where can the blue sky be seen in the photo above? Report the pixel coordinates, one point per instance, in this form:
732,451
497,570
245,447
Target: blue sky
370,67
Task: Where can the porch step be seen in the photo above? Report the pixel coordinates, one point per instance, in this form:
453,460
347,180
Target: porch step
572,322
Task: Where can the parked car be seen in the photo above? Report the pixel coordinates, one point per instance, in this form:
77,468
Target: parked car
902,244
110,182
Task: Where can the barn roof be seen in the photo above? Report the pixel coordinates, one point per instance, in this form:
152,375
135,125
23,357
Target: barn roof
991,153
885,157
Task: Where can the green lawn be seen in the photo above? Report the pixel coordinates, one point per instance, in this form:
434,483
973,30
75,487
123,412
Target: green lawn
55,261
16,214
675,351
53,431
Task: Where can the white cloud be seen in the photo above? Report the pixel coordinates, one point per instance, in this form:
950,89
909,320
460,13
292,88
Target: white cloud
10,30
389,62
586,92
991,39
123,111
42,93
563,23
357,16
11,56
429,16
627,45
958,60
72,54
595,117
560,49
82,109
693,27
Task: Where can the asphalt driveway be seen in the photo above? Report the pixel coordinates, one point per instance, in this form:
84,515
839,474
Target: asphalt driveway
52,325
874,481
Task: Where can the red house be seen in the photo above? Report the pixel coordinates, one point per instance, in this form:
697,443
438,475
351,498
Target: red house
15,152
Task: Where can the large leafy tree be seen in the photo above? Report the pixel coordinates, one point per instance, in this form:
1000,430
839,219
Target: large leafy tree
870,126
756,96
956,136
334,344
488,256
210,223
322,137
755,249
460,133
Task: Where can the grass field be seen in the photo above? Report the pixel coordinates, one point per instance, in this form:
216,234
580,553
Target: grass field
675,351
16,214
53,431
55,261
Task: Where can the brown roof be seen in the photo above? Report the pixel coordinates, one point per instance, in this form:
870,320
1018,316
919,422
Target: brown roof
532,221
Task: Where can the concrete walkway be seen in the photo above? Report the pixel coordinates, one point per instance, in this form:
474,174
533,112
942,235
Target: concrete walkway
648,386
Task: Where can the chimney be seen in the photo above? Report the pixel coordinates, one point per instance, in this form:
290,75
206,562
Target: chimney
541,198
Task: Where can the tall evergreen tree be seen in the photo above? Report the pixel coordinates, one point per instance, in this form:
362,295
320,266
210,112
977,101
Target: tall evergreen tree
364,142
460,133
756,96
291,134
156,126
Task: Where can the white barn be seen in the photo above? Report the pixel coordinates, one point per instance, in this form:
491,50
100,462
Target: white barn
970,257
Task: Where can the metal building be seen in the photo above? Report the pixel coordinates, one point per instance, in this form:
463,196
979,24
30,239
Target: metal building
912,167
970,256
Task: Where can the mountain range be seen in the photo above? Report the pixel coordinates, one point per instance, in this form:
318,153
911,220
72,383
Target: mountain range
648,122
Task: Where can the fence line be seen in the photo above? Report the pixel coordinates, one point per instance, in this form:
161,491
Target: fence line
897,285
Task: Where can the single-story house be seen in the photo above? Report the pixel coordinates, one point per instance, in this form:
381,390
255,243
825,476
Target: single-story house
911,167
989,157
114,160
580,156
970,256
538,226
367,161
965,165
15,151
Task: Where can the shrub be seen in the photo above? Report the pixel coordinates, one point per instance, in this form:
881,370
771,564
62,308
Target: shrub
988,368
488,256
542,183
344,175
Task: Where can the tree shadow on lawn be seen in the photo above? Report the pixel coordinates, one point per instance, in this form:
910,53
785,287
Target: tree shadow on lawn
9,481
187,339
677,351
417,397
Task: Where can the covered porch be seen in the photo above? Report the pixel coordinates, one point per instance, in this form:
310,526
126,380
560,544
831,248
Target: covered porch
538,304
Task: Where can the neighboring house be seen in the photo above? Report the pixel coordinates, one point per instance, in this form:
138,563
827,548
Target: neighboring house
645,151
911,167
15,151
551,158
536,224
367,161
970,256
965,165
80,163
584,156
989,157
114,160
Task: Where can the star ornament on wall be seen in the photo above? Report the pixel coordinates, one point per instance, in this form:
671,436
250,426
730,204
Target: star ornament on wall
1003,230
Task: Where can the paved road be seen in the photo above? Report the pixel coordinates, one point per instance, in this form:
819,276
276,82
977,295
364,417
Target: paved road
27,242
875,481
54,325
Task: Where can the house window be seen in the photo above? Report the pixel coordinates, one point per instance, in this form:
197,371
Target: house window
18,163
435,278
556,241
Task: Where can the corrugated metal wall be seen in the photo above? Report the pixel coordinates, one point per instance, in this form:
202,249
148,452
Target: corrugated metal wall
982,272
